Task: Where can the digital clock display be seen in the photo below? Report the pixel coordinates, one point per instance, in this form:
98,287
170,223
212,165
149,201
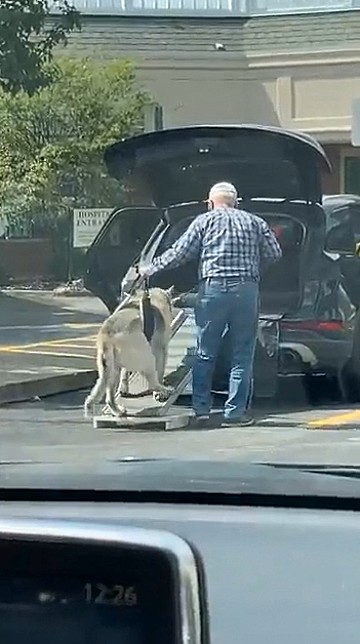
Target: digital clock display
63,593
70,612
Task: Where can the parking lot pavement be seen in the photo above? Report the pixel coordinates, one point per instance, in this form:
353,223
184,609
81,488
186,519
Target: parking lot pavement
65,304
54,431
39,337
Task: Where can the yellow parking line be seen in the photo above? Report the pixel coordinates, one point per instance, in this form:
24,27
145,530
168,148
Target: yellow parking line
52,353
44,343
338,419
77,346
62,342
79,325
81,338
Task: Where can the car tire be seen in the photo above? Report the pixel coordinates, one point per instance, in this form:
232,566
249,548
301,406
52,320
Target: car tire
320,389
349,382
349,379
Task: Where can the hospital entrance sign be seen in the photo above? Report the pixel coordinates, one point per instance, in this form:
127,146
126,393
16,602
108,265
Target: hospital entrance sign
86,224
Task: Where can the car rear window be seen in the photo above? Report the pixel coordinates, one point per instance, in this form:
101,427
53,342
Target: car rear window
289,232
280,283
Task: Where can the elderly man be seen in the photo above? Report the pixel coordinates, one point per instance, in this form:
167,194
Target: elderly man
230,244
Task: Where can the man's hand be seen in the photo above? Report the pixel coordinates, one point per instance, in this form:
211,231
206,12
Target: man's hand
144,270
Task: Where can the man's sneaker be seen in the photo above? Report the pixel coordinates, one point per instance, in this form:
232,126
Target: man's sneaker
246,420
200,421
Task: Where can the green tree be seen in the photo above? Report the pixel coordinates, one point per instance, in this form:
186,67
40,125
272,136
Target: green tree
29,32
52,142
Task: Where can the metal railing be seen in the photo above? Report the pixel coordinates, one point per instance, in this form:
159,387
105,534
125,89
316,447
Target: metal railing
301,6
212,7
131,7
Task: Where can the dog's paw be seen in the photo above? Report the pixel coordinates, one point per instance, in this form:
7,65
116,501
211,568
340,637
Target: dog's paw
87,410
117,411
162,395
120,412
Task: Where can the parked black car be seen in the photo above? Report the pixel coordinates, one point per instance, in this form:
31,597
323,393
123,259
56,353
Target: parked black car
308,324
343,237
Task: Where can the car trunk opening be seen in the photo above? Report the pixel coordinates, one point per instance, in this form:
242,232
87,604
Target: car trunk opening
176,166
281,283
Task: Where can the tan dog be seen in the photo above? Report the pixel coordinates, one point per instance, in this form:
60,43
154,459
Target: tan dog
123,346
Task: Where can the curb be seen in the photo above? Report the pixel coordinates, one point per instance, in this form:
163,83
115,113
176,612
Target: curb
47,386
83,293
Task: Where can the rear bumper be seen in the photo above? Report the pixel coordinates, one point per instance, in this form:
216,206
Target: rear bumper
318,357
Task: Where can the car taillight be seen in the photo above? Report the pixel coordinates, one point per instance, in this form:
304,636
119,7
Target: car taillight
313,325
277,231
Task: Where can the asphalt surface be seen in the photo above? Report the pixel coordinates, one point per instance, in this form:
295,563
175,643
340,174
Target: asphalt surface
39,332
54,431
44,335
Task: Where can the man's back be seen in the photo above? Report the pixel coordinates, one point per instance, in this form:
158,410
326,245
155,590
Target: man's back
233,243
227,242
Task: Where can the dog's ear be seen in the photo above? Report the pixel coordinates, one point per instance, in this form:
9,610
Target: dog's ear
170,292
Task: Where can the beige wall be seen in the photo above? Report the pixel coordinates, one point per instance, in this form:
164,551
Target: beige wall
312,93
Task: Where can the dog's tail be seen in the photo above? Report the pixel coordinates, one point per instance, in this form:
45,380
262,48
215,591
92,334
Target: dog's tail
106,366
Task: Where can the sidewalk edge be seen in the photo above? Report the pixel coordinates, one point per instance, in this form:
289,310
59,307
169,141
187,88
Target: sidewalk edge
46,386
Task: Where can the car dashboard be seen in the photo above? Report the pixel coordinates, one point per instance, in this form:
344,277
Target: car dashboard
235,574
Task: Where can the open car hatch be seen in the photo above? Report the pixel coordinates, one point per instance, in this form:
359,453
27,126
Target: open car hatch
177,165
174,170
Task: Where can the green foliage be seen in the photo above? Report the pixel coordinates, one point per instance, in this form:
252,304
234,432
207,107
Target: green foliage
29,32
52,141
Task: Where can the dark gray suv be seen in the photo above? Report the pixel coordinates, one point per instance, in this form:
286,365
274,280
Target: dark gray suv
308,328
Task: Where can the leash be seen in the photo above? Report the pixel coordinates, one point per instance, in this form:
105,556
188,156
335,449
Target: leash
143,281
148,316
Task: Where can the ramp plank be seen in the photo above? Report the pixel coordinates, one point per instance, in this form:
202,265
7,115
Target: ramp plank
155,423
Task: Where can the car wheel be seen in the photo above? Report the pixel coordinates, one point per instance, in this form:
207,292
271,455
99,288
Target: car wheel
349,382
349,379
320,389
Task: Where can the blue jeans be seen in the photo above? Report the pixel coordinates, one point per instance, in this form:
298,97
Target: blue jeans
221,304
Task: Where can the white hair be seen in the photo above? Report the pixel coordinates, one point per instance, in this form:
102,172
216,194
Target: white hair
224,189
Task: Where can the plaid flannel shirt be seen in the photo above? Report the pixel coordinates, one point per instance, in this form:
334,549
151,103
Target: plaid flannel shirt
229,243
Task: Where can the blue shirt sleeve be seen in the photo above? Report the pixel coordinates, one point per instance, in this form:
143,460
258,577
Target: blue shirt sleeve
187,247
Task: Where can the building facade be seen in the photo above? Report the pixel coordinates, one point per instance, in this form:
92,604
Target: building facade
279,62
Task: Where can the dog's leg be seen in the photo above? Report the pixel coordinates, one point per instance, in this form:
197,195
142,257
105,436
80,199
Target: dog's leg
98,391
136,355
123,389
116,408
160,392
112,376
95,395
161,359
159,348
153,370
